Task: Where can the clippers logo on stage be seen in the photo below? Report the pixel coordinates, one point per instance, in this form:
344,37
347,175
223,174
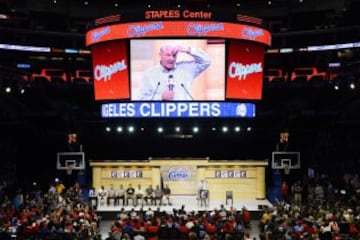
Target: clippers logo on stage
179,174
111,74
245,70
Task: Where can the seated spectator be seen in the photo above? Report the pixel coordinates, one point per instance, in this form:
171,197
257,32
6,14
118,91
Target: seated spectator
167,193
111,195
153,230
120,195
139,195
130,194
158,195
92,197
102,195
149,194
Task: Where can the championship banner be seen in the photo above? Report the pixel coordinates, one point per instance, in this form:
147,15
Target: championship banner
111,73
245,70
177,109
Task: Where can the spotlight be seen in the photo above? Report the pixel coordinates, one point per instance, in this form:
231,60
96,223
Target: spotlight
131,129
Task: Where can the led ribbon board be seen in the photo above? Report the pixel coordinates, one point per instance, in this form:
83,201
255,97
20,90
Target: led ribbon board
195,29
177,110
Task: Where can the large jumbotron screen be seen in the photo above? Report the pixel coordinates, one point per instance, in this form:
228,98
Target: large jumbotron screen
207,86
178,68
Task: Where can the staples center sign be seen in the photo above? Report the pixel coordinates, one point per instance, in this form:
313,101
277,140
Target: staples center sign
245,70
111,74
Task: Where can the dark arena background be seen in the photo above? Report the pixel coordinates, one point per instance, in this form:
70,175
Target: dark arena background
282,88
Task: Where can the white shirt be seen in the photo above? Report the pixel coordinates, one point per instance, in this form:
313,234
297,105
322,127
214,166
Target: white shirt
111,192
139,191
92,193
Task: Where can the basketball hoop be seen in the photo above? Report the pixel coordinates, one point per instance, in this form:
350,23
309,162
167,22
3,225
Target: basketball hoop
286,169
69,169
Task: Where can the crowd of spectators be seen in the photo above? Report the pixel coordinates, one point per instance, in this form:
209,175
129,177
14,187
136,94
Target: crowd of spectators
152,224
327,209
58,213
313,209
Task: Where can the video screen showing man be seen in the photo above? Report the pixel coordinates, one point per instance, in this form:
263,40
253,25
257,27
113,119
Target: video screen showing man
180,72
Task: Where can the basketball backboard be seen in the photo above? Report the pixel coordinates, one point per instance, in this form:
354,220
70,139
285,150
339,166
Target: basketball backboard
284,159
76,159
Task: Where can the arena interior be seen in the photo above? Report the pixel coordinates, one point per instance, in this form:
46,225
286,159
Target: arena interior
288,172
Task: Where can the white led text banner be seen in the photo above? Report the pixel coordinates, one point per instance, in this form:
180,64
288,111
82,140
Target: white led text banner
178,109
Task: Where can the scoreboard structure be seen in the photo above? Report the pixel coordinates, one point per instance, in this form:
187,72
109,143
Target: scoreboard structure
125,45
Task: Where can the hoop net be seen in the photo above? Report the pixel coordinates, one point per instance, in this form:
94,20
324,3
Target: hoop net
286,169
69,169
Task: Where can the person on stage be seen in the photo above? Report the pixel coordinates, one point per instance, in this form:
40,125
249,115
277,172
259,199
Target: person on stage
149,194
130,194
167,193
203,192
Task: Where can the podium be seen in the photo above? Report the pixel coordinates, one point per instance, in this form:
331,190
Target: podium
204,197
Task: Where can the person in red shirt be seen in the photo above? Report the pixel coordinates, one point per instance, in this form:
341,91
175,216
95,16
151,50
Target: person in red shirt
285,191
153,230
246,216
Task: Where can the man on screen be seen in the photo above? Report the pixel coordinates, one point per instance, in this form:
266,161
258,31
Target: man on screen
172,80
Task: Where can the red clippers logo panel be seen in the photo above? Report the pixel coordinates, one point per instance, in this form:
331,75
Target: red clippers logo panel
245,70
111,73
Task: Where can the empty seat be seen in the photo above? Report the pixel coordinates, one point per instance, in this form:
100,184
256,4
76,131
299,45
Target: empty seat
229,196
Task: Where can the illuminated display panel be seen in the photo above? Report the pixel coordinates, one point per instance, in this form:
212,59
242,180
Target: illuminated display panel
197,75
156,29
229,59
245,70
110,67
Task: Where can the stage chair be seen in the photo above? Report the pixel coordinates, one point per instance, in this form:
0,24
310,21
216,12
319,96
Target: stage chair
229,196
